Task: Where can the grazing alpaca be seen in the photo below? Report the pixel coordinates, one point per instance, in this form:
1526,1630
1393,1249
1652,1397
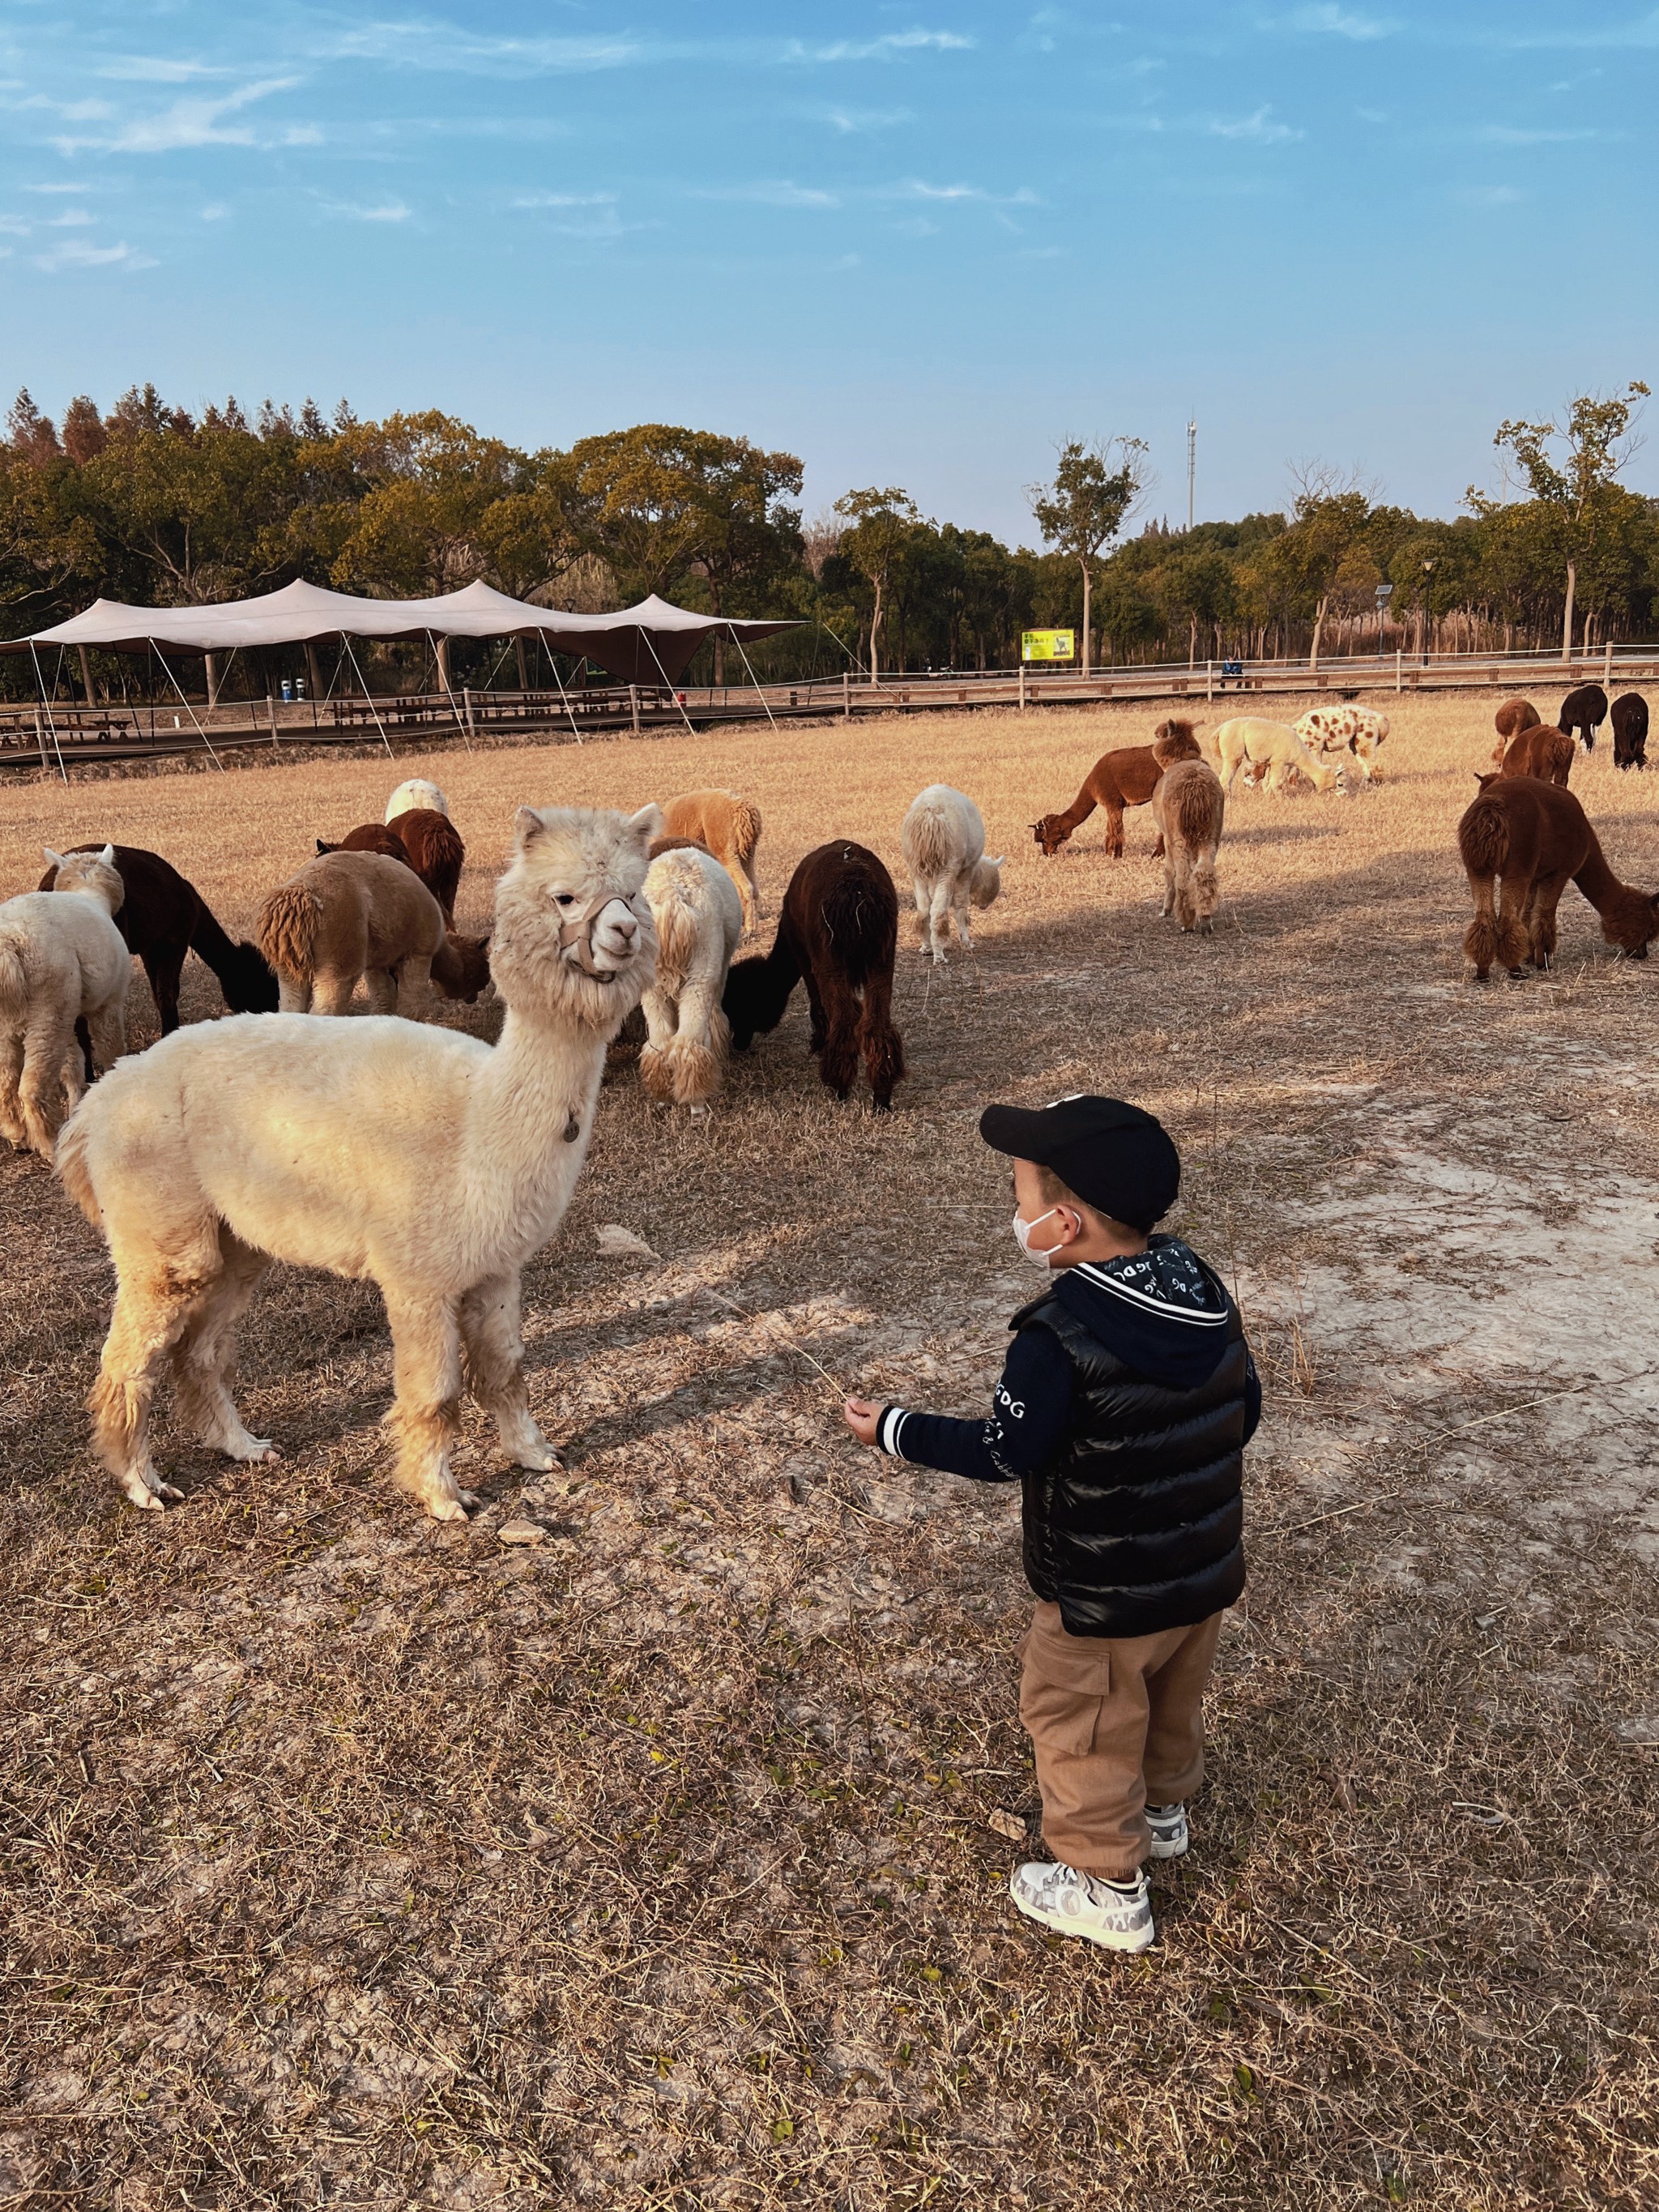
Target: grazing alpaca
1514,716
424,839
60,957
1188,806
1123,778
728,827
418,792
162,917
1546,754
1356,732
421,1158
1534,836
839,930
348,914
1583,712
1273,747
943,839
699,922
1630,730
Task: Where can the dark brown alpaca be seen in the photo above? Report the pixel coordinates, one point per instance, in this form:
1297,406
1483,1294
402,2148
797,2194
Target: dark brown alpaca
838,931
427,841
1511,718
1126,777
1546,754
1630,730
162,918
1535,838
1583,712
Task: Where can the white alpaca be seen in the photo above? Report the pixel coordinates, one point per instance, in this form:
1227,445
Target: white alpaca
418,792
419,1157
699,918
1273,747
944,844
1355,732
61,955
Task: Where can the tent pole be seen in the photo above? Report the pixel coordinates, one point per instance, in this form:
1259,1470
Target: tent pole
760,694
559,680
663,672
40,682
189,709
443,678
372,708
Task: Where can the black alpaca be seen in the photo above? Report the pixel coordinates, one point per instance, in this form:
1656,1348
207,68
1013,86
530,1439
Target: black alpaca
1630,730
162,918
1584,710
839,931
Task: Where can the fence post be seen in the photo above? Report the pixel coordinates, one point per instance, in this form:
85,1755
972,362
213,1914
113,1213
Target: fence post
846,695
466,703
1396,668
270,711
634,706
1607,668
1022,682
1209,680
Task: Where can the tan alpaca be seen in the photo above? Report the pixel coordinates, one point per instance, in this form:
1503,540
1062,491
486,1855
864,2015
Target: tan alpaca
943,839
414,1156
729,828
418,793
699,920
1188,806
347,914
61,955
1254,744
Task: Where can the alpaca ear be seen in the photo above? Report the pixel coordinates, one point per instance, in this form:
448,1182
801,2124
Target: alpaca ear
107,856
998,862
56,859
527,826
322,847
650,822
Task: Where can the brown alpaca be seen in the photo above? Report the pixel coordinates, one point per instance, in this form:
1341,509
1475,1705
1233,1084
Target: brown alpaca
1534,837
1126,777
368,837
347,914
1546,754
1175,740
729,828
423,839
1188,806
1514,716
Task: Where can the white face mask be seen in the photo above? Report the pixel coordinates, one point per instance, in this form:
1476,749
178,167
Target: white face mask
1023,1238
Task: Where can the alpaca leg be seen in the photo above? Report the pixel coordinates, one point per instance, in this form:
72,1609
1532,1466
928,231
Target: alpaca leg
293,994
1512,941
417,994
51,1087
382,988
961,915
838,1060
1113,831
426,1370
11,1070
83,1040
331,994
494,1351
1168,881
165,971
154,1307
820,1026
700,1049
108,1029
924,909
1540,920
884,1051
748,893
657,1058
204,1355
938,913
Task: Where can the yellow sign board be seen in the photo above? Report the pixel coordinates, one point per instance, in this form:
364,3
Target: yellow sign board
1047,645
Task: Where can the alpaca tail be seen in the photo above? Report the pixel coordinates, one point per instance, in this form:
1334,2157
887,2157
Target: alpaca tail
676,918
71,1163
861,926
286,929
14,977
745,829
1483,841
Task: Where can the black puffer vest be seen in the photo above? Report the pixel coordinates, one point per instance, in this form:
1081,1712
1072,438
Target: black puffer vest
1136,1524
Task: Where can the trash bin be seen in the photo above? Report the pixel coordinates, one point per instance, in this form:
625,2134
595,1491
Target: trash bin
288,692
299,687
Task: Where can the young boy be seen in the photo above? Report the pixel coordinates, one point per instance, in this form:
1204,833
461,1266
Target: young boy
1124,1407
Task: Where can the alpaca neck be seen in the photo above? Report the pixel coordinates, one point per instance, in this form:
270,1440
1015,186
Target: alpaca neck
543,1077
1625,912
1080,808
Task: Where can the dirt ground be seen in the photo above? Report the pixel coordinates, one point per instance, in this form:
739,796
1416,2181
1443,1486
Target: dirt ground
356,1861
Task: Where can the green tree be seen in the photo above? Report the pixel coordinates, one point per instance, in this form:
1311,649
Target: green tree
880,525
431,478
1574,490
1087,505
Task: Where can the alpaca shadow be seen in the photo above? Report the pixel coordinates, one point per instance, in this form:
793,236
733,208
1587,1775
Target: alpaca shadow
1280,833
686,1406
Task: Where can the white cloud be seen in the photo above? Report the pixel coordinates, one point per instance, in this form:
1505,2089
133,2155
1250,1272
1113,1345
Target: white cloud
1504,134
879,49
563,200
191,122
423,42
13,226
377,211
70,219
216,211
1492,196
154,68
854,121
1259,129
769,192
1342,23
76,190
75,253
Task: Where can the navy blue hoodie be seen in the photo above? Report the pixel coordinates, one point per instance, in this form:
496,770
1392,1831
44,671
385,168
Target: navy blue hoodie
1158,1312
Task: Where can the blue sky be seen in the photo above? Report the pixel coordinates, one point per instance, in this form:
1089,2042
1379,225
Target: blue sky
914,244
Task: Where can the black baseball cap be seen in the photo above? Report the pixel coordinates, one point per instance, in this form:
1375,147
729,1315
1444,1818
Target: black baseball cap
1117,1157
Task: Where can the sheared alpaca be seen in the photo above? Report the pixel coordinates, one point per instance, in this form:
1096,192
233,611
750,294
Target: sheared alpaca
1125,777
1514,716
839,930
162,917
699,922
347,914
1546,754
1355,732
943,839
1630,730
420,1158
60,957
424,839
1583,712
1534,836
1188,806
729,828
1174,740
1273,747
418,792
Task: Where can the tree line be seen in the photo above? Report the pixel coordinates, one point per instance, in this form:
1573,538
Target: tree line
150,504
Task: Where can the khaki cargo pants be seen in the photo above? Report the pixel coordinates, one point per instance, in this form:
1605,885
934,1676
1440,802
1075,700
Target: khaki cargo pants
1116,1724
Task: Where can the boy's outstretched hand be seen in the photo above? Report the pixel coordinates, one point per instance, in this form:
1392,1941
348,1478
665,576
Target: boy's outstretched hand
862,1417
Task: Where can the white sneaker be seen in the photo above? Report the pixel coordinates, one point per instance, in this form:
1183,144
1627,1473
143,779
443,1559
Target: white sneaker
1171,1834
1117,1914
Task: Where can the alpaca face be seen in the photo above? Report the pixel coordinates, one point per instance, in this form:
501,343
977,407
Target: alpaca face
95,875
573,930
1051,834
987,880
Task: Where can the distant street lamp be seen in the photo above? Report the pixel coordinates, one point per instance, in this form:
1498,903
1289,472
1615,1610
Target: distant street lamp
1384,593
1428,572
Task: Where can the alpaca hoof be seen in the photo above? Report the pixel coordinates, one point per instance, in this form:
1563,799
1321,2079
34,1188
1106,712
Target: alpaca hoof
469,1499
1519,975
446,1509
254,1451
149,1503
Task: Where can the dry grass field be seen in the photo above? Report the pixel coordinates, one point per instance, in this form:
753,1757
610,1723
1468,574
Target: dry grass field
356,1861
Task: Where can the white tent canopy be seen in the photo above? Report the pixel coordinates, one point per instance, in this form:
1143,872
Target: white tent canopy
651,643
